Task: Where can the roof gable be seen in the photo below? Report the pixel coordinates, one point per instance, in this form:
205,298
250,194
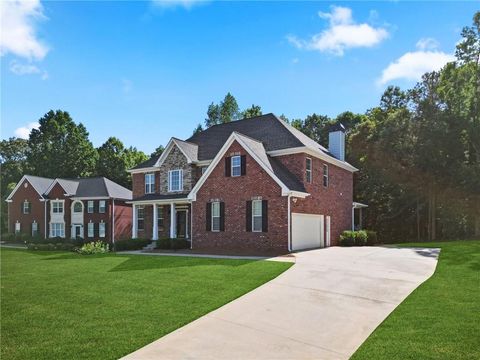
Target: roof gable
40,184
189,150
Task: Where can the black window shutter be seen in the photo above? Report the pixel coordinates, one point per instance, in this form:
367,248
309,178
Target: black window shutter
222,216
265,216
243,162
21,208
209,217
249,216
228,166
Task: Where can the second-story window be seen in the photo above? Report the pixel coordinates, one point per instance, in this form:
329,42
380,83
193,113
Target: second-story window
175,180
27,207
102,206
90,207
325,175
308,170
149,183
236,165
57,207
77,207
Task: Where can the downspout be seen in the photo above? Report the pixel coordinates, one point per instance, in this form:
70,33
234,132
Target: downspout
113,223
45,220
191,225
289,226
353,218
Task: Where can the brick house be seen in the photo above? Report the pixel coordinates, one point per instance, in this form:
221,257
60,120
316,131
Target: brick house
90,208
254,186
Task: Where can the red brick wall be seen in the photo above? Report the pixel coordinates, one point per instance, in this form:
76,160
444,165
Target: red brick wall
26,220
138,184
123,220
235,192
334,201
163,231
96,218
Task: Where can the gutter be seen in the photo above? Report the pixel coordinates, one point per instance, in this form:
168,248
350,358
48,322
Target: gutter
289,225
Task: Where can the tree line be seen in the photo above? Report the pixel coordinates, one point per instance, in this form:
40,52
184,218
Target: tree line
418,151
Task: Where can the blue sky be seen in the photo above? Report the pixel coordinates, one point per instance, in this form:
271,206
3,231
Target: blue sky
146,71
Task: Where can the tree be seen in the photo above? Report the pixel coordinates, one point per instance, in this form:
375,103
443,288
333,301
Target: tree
60,148
222,113
158,151
314,126
213,115
252,111
198,129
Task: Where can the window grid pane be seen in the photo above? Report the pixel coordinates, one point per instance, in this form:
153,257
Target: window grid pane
257,215
102,206
90,207
101,230
236,162
216,216
175,183
90,229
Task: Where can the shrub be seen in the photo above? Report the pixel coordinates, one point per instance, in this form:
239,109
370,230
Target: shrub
97,247
131,244
177,244
347,238
371,237
163,243
8,237
360,238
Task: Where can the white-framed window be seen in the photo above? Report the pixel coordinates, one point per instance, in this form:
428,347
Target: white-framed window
257,215
204,168
149,183
140,218
27,207
308,169
216,216
17,227
57,207
175,180
102,206
57,230
101,229
236,164
325,175
77,207
160,216
90,229
91,206
34,228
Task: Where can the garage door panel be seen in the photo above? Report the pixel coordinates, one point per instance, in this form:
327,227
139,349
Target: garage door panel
307,231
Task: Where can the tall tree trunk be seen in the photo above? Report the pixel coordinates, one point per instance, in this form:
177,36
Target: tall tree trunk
418,220
434,215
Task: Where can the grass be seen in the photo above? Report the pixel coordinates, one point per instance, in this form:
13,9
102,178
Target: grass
441,318
66,306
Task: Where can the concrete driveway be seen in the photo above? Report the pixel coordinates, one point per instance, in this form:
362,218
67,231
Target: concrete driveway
323,307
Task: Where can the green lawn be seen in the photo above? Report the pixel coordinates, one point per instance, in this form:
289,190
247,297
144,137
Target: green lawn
441,318
66,306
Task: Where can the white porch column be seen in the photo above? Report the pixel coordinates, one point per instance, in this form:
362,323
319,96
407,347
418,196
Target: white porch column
172,221
155,222
134,221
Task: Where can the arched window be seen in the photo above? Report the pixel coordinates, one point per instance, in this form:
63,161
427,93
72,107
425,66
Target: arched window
77,207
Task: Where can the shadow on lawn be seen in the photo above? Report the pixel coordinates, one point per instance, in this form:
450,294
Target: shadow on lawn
140,262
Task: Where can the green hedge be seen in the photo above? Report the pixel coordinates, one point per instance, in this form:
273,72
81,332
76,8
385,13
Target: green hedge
131,244
358,238
174,244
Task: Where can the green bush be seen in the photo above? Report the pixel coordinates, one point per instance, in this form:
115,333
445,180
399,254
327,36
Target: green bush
131,244
347,238
177,244
97,247
8,237
371,237
163,243
360,238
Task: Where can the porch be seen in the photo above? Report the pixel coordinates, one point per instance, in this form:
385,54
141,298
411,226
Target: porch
169,218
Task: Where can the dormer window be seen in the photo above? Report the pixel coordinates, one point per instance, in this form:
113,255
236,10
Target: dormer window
236,165
149,183
175,180
26,207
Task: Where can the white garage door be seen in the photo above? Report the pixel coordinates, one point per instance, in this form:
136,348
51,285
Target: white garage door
307,231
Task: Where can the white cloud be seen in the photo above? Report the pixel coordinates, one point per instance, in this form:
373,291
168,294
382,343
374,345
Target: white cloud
27,69
412,65
186,4
19,37
343,33
24,131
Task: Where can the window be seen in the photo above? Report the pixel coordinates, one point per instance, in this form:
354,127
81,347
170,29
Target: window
160,216
149,183
77,207
175,180
236,165
34,229
57,230
325,175
90,229
257,215
91,206
57,207
27,207
17,228
204,168
140,218
101,229
102,206
216,216
308,170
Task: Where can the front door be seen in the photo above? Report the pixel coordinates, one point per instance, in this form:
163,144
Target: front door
77,231
181,224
